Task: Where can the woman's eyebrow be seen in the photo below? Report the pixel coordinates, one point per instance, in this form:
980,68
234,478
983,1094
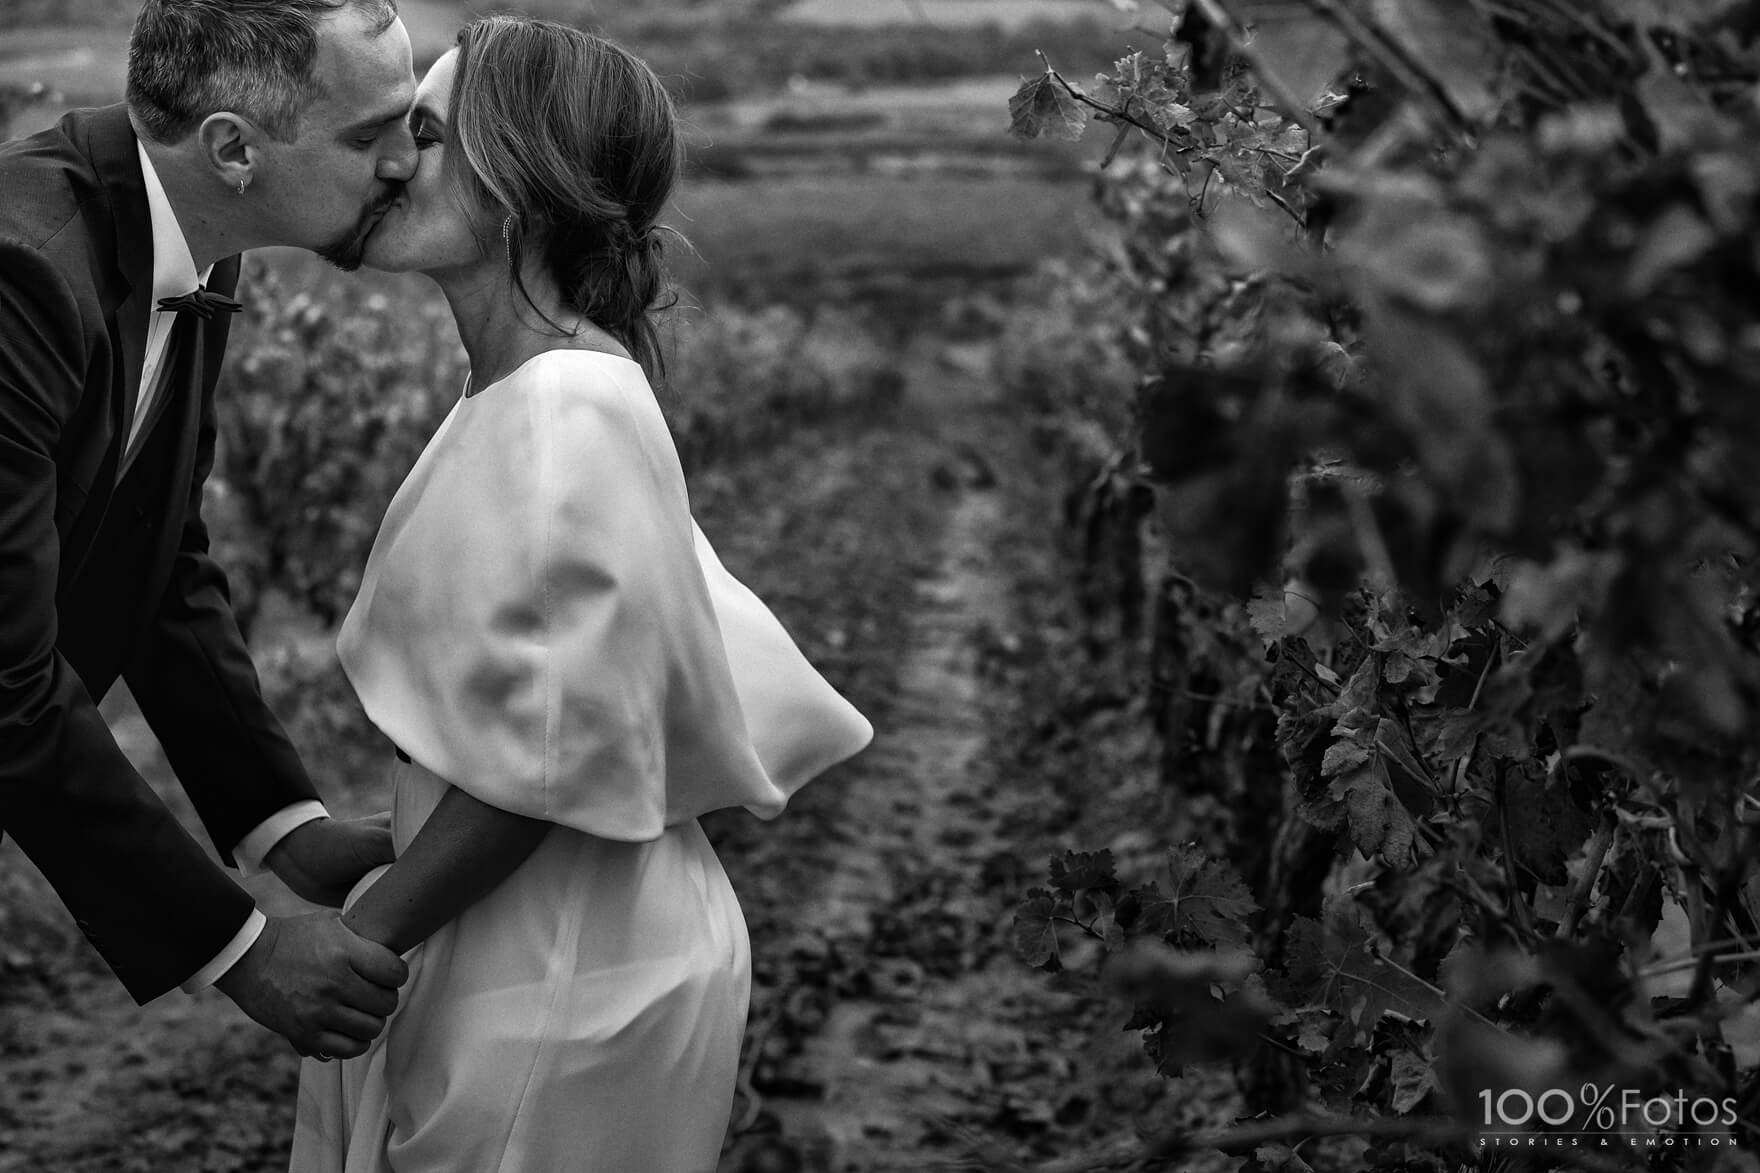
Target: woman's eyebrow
427,113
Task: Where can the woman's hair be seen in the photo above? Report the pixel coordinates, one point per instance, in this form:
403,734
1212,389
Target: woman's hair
189,58
577,140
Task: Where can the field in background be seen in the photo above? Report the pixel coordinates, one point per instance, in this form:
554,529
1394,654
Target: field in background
867,13
832,161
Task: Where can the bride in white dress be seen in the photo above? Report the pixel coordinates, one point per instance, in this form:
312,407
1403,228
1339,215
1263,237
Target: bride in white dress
570,675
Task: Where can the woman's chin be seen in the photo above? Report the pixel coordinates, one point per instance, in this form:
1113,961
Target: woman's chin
386,249
386,258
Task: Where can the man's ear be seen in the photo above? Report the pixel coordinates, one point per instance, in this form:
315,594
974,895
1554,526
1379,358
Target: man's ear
229,145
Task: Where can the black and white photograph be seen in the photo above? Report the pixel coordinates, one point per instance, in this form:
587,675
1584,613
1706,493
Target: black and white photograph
879,586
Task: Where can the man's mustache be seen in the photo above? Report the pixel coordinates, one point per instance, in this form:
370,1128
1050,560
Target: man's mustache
375,213
384,202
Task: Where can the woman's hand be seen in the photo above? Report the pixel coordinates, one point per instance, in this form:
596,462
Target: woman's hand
323,859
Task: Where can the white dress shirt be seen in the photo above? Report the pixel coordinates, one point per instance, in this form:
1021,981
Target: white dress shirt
174,273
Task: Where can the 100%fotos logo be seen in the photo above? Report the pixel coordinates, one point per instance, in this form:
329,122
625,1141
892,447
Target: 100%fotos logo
1605,1109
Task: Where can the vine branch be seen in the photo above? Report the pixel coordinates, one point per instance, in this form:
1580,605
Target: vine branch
1244,1138
1118,114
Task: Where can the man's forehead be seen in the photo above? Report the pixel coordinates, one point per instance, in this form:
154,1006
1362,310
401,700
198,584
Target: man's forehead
362,76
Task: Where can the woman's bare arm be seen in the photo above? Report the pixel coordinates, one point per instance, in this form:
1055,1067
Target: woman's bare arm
461,853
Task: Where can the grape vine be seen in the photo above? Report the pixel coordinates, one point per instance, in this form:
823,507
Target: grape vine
1449,373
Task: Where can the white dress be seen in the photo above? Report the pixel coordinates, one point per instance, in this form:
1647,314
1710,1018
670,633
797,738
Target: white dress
542,625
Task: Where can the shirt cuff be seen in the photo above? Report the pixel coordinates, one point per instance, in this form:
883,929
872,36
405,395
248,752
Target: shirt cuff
228,957
254,847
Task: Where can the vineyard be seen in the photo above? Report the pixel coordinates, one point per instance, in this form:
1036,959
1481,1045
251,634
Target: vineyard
1429,528
1310,613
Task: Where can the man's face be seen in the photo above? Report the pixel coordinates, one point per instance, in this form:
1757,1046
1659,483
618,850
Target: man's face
325,190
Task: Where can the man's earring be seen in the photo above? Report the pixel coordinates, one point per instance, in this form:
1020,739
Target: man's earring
507,238
241,184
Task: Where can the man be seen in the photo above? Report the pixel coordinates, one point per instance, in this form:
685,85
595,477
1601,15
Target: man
248,123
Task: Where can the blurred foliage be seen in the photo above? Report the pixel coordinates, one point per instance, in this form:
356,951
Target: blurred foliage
706,61
333,391
1434,482
744,379
330,398
17,14
15,99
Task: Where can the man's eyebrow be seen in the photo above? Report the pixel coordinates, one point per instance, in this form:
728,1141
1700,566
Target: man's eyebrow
372,122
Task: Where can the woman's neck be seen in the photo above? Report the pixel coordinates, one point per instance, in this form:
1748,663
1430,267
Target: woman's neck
501,330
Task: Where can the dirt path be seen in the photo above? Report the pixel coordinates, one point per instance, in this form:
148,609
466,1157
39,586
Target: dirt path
904,1033
883,1078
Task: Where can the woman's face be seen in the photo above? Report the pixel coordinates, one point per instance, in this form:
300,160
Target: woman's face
431,226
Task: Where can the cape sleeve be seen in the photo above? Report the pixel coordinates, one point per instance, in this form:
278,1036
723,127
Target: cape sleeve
542,624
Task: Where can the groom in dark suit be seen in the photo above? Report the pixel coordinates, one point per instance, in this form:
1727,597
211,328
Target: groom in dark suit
248,123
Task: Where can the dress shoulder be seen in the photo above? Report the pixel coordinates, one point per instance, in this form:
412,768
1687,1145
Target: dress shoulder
544,627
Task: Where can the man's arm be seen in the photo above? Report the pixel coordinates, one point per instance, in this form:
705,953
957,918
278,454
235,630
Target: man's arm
142,890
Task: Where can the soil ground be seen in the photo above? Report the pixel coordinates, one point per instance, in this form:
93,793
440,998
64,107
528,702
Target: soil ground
892,1026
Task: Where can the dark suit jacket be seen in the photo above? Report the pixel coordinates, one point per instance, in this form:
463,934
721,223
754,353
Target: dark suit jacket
100,580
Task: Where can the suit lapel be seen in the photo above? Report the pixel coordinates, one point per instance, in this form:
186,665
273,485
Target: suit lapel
110,145
177,374
131,342
117,159
168,445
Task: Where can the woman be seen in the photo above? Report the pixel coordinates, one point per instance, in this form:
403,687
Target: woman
569,674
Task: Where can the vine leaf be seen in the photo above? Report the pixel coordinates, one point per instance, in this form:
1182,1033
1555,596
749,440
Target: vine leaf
1546,827
1265,612
1280,1158
1035,935
1175,993
1207,902
1209,899
1074,871
1335,964
1413,1077
1043,107
1362,791
1741,1030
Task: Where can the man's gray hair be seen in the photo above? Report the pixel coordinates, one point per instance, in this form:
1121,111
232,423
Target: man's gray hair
189,58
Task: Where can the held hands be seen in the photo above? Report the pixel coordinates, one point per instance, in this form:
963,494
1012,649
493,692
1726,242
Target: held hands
321,860
318,985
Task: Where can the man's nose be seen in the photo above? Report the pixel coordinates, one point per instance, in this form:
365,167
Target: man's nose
398,162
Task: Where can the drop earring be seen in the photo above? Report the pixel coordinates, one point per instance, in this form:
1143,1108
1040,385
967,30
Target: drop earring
241,184
507,238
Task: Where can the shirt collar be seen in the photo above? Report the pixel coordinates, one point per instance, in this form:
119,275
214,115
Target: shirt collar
174,270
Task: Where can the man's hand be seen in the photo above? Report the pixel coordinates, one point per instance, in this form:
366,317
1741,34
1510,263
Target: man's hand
319,986
321,860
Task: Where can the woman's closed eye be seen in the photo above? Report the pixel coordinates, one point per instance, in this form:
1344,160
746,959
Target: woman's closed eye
425,129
